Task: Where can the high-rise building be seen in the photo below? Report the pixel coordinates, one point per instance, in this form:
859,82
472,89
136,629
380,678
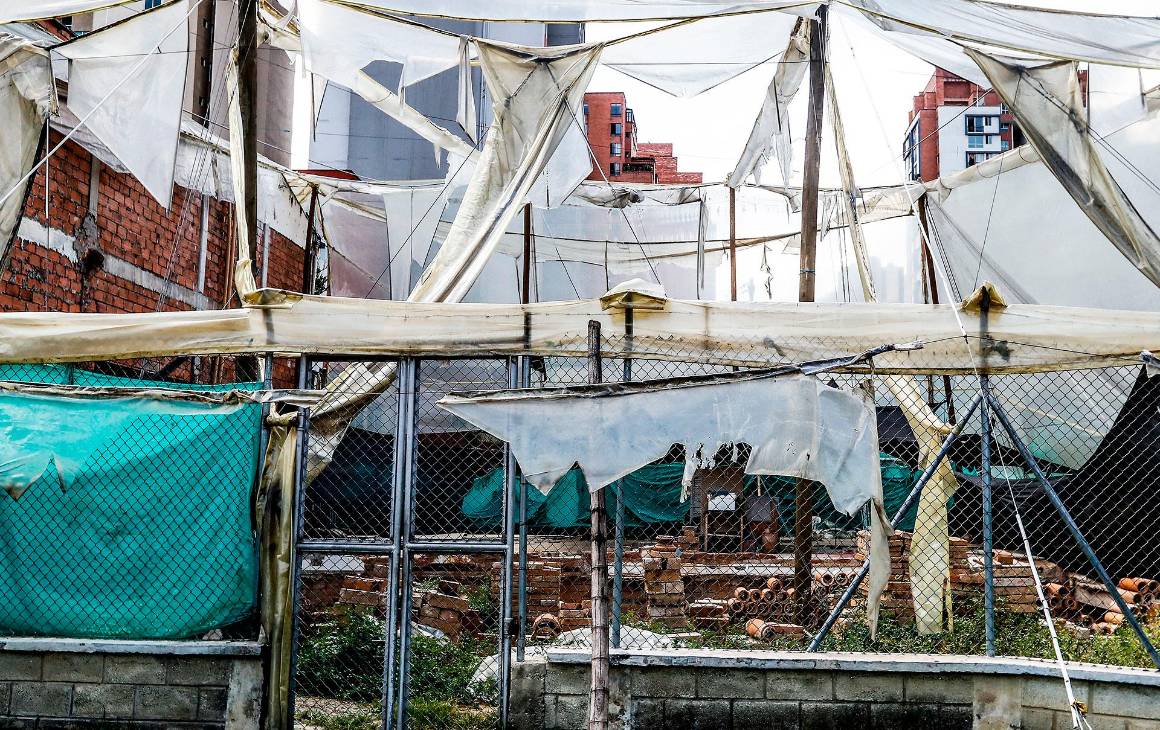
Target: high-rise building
955,124
612,134
351,134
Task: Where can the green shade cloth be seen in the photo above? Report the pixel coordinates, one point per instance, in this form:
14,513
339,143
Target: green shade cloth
136,520
652,494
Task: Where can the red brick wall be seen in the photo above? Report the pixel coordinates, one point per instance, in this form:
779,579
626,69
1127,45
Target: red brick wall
600,137
130,226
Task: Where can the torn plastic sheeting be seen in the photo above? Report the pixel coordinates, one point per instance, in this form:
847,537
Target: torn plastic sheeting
795,425
127,81
27,95
14,11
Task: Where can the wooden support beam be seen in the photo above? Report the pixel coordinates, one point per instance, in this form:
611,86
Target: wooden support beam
248,101
598,701
803,500
526,284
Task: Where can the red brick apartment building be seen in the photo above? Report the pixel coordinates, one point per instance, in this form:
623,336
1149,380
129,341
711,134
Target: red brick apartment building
955,124
612,131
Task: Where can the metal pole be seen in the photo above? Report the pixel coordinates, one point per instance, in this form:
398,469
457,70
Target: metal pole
732,244
988,532
1073,528
617,567
524,382
505,608
410,387
598,702
248,102
398,487
295,556
906,504
803,497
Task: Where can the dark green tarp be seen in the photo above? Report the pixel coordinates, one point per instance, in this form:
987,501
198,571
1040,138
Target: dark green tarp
652,494
139,523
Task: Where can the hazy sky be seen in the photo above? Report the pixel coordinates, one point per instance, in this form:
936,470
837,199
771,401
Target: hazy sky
875,82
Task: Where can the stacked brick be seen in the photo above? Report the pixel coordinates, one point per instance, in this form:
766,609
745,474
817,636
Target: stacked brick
445,612
664,589
898,599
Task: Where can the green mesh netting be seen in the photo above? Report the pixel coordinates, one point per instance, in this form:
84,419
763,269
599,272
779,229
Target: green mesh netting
136,520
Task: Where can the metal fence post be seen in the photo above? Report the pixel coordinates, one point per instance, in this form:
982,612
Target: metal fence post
524,382
398,487
988,518
408,390
505,608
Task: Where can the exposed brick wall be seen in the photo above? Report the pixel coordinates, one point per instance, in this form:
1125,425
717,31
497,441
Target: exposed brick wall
641,162
149,244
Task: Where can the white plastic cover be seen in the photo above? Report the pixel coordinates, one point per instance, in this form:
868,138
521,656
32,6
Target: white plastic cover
691,58
770,135
127,84
1048,104
578,10
27,94
795,425
14,11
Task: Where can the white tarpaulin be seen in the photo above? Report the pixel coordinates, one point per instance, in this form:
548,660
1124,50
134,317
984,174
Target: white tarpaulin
694,57
796,426
127,84
337,42
770,135
1048,104
14,11
27,95
578,10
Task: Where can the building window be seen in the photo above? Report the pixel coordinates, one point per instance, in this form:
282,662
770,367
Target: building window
628,114
614,149
974,158
585,108
150,4
614,169
978,123
1006,145
616,110
616,128
1004,126
974,141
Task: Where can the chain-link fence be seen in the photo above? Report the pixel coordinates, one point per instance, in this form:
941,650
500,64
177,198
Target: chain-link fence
127,517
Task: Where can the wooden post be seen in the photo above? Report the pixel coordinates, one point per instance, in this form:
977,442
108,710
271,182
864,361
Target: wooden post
598,701
526,287
932,283
732,244
310,258
248,101
803,526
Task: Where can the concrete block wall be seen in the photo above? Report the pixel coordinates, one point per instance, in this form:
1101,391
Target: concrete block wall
778,690
131,685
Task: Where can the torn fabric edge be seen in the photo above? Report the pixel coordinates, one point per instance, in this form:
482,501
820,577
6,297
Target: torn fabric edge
244,280
819,433
27,97
769,136
1048,105
294,397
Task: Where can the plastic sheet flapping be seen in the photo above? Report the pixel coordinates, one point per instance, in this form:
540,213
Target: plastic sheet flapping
27,95
795,425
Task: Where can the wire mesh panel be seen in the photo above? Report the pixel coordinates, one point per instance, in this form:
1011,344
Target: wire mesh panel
126,517
459,476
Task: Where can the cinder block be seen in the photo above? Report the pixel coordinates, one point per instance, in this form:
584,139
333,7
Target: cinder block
132,669
697,714
165,703
730,684
1143,725
645,714
102,700
664,682
567,679
211,703
74,667
527,695
765,715
955,717
197,671
5,696
41,698
892,715
1048,694
566,712
939,688
868,687
19,665
1123,700
834,715
997,699
793,685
